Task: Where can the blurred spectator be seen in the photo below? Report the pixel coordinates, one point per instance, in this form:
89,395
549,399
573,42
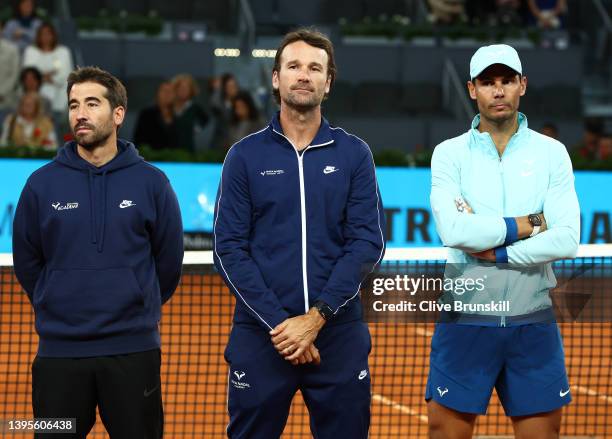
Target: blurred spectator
189,116
9,72
214,92
155,126
605,147
245,118
224,91
29,126
550,129
30,80
547,14
447,11
509,12
480,11
22,28
54,62
588,148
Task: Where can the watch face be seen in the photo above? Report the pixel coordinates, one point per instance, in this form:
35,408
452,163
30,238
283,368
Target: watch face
535,220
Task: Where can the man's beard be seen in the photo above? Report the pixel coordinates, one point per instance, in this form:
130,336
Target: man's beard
302,105
94,138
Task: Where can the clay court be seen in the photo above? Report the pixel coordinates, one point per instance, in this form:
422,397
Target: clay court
195,326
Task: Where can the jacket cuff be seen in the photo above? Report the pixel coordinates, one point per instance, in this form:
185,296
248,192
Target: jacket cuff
333,302
501,255
277,319
511,231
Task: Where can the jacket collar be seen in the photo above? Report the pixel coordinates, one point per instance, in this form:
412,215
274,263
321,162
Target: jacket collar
323,136
522,123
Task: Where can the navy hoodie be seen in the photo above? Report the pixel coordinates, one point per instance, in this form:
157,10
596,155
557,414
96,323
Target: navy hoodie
97,250
292,229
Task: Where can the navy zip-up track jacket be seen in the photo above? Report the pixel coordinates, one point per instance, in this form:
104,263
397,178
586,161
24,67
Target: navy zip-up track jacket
291,228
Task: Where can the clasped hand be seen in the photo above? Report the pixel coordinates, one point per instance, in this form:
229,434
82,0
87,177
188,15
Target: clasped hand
294,338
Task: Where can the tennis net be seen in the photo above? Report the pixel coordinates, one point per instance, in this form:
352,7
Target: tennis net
196,324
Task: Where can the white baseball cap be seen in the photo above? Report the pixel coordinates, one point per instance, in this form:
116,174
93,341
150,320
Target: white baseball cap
495,54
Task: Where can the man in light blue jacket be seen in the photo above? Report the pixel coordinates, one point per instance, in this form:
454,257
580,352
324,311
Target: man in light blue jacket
504,201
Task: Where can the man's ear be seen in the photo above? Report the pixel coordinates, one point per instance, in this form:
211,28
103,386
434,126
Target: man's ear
472,89
118,115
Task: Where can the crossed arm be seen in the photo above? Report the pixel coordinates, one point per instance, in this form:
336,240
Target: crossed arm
523,225
488,236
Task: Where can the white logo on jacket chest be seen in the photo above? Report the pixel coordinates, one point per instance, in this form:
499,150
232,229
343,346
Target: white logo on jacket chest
59,206
330,169
272,172
528,168
126,203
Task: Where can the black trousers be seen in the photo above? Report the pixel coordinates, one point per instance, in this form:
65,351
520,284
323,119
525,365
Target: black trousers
125,388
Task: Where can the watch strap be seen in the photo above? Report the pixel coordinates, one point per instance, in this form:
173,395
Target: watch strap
324,309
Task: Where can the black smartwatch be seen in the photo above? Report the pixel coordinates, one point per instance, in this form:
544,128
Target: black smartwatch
324,309
536,222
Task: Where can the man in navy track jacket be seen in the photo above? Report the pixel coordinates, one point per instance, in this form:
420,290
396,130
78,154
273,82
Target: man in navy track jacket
97,244
298,224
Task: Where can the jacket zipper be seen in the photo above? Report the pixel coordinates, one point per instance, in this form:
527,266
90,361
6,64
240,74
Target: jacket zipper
303,216
502,321
303,213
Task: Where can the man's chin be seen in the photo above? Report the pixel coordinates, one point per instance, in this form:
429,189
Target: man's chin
302,105
87,142
502,116
83,141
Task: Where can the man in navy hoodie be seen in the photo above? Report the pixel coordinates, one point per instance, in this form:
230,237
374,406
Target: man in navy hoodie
97,246
298,224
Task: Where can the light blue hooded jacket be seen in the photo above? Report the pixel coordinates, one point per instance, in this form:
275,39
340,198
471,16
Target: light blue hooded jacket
533,175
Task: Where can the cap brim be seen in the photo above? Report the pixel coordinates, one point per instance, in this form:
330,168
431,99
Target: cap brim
493,64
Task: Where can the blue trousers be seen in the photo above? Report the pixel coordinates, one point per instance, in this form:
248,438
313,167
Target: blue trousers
261,384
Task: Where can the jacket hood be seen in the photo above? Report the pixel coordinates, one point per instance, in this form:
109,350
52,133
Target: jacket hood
127,156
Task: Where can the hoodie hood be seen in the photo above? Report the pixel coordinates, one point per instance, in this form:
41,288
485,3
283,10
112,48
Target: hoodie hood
127,156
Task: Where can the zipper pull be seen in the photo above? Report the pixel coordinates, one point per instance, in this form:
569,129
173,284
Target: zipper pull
503,321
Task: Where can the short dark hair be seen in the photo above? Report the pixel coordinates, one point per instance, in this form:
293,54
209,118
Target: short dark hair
314,38
34,71
115,90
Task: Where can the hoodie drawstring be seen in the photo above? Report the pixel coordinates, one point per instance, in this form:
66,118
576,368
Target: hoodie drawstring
92,210
103,227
